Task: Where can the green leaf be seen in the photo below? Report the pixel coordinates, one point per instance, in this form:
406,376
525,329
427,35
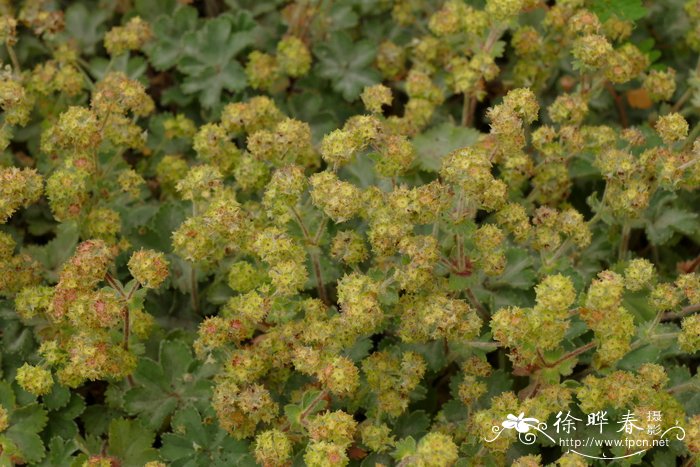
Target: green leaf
23,434
679,378
132,66
151,9
177,379
158,230
16,338
210,84
342,17
664,220
631,10
360,349
7,395
209,62
433,352
87,25
661,229
519,273
404,448
347,65
439,141
131,443
60,452
57,398
293,414
96,418
62,421
58,250
497,383
167,47
197,441
414,424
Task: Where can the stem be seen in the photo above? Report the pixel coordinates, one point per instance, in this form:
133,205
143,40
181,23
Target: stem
320,286
300,221
684,387
322,395
656,337
315,258
654,323
562,248
490,346
319,232
619,104
460,252
682,100
592,221
86,75
115,285
194,289
13,58
572,354
679,314
125,316
691,136
690,163
624,243
483,313
468,110
687,94
494,35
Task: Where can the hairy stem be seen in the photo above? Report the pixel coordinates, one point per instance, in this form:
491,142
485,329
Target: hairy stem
483,312
13,58
320,286
194,289
690,309
567,356
624,242
619,104
468,110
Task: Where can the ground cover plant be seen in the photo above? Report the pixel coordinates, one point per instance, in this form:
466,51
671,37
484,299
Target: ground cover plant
360,232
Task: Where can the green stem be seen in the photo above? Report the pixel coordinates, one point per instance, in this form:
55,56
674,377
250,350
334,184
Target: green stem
301,224
468,110
13,58
624,241
680,314
320,286
194,288
314,254
572,354
560,251
490,346
483,313
651,338
688,385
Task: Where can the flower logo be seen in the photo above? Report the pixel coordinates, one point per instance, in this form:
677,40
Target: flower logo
520,423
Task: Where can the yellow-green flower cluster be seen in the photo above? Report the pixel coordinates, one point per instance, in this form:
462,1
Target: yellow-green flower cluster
148,267
612,324
672,127
391,378
18,188
132,36
34,379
